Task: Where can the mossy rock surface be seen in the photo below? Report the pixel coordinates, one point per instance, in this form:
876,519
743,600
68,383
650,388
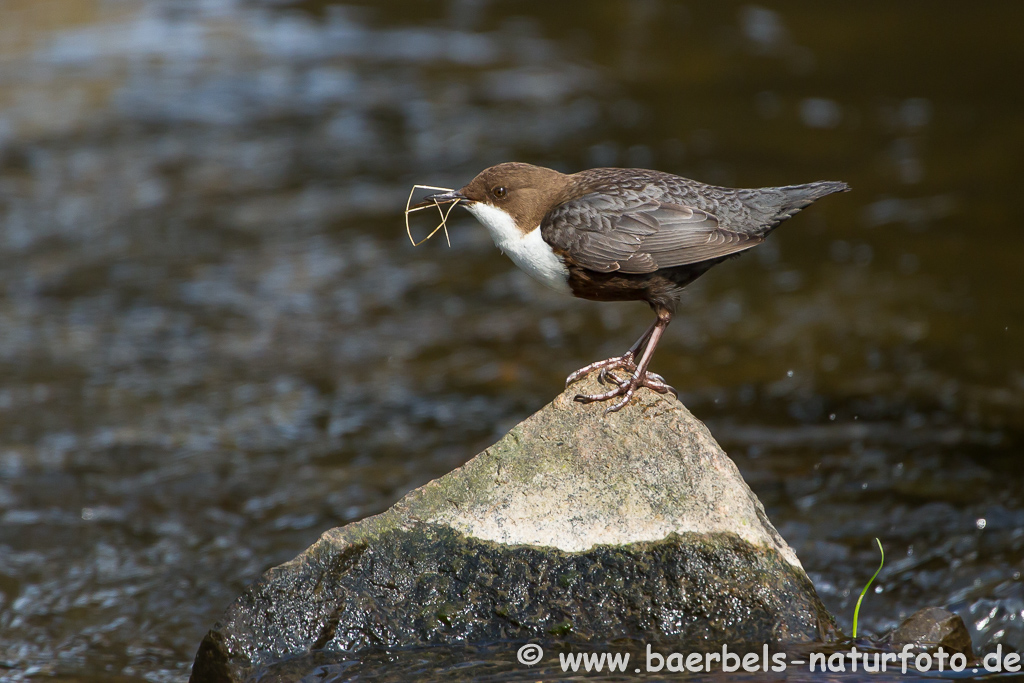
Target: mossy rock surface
576,525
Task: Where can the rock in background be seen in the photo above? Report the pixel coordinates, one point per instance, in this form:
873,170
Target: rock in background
575,525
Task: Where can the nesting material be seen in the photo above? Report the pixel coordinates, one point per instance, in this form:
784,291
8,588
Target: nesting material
443,225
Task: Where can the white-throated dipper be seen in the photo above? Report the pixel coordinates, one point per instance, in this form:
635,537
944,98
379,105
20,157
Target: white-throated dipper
623,234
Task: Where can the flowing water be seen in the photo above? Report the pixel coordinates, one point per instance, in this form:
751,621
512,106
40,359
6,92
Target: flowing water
216,341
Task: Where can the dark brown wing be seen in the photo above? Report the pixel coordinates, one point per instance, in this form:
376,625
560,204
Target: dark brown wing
635,234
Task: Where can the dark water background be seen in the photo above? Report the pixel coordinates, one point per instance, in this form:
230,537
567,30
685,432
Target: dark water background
216,341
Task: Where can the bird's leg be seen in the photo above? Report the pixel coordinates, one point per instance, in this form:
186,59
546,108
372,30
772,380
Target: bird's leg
623,361
628,359
640,378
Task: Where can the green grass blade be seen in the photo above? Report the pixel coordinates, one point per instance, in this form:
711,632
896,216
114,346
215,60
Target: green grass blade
856,610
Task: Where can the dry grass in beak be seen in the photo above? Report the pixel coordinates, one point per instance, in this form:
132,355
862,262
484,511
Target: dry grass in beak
444,214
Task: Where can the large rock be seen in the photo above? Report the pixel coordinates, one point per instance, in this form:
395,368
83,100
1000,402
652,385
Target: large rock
576,524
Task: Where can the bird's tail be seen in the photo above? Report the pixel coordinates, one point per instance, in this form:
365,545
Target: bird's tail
799,197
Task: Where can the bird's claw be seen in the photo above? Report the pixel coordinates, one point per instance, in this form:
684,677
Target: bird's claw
658,383
606,376
623,361
626,388
653,378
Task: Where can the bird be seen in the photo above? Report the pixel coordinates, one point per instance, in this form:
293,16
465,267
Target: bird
623,234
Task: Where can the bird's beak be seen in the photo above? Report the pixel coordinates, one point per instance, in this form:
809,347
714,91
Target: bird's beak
441,198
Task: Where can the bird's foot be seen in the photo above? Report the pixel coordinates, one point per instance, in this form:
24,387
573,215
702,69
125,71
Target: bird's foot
626,388
607,376
624,361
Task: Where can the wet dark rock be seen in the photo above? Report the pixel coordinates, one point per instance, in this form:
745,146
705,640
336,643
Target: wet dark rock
575,526
932,627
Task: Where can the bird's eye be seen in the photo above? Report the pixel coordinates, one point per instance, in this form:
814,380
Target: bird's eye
499,192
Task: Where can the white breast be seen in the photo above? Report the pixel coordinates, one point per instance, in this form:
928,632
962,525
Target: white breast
528,251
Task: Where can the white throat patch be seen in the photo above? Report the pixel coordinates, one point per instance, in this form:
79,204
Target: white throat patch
530,252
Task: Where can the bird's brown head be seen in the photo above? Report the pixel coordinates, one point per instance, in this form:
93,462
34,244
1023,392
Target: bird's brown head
523,191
